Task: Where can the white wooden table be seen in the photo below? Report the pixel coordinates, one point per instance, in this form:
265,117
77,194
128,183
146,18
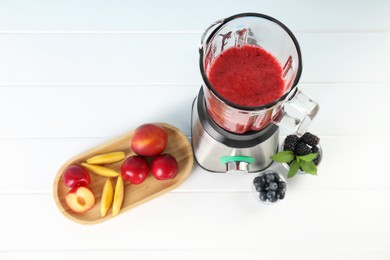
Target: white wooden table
74,74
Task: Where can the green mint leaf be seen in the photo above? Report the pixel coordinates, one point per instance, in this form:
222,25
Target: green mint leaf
294,166
283,156
308,157
309,167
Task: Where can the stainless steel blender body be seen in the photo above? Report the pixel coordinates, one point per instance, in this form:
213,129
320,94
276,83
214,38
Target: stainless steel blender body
218,150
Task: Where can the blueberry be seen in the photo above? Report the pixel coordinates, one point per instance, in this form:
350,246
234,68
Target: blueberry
274,199
278,179
282,185
269,177
263,181
281,193
263,196
260,188
256,184
259,181
271,195
272,186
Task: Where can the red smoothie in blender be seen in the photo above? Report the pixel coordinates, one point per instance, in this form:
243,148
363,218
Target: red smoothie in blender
247,76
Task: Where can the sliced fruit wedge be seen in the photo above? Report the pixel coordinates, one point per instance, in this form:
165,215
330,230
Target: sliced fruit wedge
106,158
107,196
101,170
118,196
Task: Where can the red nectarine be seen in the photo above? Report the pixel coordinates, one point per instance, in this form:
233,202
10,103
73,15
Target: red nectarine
149,140
80,199
75,175
135,169
164,167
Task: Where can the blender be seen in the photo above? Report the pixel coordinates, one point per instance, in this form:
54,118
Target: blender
227,137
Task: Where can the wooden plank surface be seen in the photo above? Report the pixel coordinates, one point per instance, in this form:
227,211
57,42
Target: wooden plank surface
172,58
72,73
347,167
173,15
314,219
78,111
292,253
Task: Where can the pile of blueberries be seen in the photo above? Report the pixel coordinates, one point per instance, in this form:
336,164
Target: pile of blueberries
270,187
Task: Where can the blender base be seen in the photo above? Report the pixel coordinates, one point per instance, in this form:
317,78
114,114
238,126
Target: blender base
218,150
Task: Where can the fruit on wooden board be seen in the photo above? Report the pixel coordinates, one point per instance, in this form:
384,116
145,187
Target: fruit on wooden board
106,158
164,167
107,196
100,170
135,169
80,199
75,175
118,196
149,140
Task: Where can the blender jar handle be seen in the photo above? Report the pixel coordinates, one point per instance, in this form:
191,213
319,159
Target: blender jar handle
207,32
298,112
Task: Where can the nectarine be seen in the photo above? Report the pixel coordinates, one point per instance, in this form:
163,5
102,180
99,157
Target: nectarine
149,140
80,199
164,167
135,169
75,175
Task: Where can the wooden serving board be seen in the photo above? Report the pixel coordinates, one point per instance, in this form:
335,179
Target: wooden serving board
178,146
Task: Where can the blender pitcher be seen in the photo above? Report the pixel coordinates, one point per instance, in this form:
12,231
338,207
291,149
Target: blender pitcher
293,110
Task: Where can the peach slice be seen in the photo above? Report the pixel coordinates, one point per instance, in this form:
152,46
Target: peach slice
80,199
118,196
100,170
107,196
106,158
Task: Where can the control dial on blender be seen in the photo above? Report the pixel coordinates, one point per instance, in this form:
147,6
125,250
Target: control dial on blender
237,163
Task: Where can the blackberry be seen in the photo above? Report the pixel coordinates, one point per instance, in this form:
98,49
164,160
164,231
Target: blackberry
290,142
302,149
315,149
316,161
310,139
